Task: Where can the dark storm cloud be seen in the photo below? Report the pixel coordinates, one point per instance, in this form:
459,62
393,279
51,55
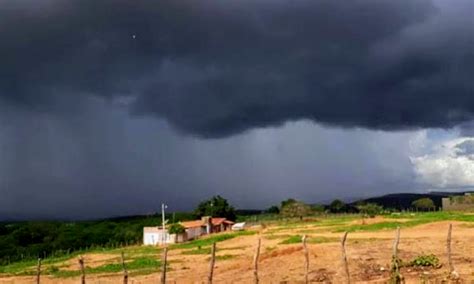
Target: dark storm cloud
216,68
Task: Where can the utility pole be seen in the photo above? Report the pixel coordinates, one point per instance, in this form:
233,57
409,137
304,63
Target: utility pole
163,224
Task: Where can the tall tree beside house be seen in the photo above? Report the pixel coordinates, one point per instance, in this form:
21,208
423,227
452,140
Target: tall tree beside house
176,228
217,206
423,204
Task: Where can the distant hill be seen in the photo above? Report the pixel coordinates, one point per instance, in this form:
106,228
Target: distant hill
403,201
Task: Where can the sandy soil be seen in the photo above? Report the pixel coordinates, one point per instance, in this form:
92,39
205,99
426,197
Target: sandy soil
369,256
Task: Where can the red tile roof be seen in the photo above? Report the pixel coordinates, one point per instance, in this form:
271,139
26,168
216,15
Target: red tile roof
192,224
218,221
199,223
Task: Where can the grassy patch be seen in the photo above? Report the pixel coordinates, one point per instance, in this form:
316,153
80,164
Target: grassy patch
139,250
225,257
414,220
296,239
196,251
222,257
136,265
277,237
211,239
435,216
268,249
28,267
291,240
313,226
372,227
234,248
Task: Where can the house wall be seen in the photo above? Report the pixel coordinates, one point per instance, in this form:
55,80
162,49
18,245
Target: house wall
151,239
193,233
157,237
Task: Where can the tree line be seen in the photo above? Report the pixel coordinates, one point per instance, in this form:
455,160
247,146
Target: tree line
294,208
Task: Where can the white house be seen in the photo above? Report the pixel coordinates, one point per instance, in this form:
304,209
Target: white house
193,230
155,236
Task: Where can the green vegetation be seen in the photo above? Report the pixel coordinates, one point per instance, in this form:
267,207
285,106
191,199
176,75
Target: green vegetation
296,239
370,209
51,267
199,243
22,241
424,204
176,228
217,206
143,265
463,199
429,260
337,206
198,250
293,208
273,210
428,217
414,220
223,257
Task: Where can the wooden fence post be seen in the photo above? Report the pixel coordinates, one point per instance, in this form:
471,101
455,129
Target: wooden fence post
306,260
212,262
38,271
83,272
125,272
395,276
255,262
452,272
163,270
344,258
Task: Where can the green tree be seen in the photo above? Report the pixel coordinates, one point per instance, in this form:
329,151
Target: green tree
176,228
217,206
318,208
273,210
370,209
423,204
337,206
296,209
287,202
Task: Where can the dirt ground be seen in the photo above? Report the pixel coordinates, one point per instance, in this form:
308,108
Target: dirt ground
369,256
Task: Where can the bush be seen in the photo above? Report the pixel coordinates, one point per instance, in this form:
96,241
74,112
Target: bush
176,228
296,209
337,206
273,210
424,204
429,260
370,209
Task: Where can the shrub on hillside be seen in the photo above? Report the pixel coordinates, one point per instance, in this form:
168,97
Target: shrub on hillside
370,209
296,209
423,204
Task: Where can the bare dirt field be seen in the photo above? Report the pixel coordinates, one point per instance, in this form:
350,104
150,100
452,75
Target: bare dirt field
282,258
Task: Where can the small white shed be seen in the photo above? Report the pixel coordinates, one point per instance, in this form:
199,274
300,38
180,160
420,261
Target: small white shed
238,226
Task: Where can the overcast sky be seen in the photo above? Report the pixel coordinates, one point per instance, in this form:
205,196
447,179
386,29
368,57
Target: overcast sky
112,107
